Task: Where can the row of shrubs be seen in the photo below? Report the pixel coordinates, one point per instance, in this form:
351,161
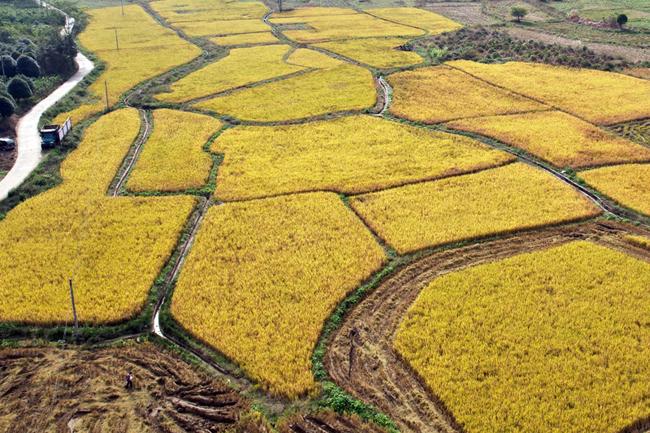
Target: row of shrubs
494,46
15,89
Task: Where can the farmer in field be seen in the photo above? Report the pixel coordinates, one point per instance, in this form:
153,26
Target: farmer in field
129,381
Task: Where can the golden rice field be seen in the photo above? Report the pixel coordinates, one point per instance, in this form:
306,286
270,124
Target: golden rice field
349,155
264,275
341,26
242,66
557,137
113,249
379,52
178,11
173,158
313,59
419,18
246,39
551,341
438,94
492,202
596,96
144,53
639,241
628,184
324,91
223,27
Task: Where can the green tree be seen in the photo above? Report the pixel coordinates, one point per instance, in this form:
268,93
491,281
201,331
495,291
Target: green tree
518,12
19,88
7,106
7,66
28,67
621,20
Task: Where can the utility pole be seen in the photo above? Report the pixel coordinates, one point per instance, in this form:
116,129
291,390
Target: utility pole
117,42
122,7
74,309
106,93
280,5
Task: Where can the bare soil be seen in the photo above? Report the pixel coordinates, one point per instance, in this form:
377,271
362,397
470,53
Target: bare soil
467,13
360,355
71,390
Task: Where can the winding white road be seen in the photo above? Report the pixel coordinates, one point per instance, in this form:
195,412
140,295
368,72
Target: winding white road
28,140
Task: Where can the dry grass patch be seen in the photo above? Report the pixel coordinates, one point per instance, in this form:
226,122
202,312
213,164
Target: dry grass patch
554,340
628,184
350,155
426,20
315,93
597,96
173,158
492,202
242,66
379,52
246,39
559,138
264,275
113,248
439,94
144,53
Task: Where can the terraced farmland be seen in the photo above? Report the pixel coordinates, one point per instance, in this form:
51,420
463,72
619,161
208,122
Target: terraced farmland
352,235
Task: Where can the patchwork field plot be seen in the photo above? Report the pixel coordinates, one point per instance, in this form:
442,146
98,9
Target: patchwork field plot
628,184
380,52
553,340
640,241
313,59
419,18
173,158
224,27
290,260
329,90
351,155
559,138
242,66
597,96
144,48
438,94
341,26
497,201
246,39
112,248
180,11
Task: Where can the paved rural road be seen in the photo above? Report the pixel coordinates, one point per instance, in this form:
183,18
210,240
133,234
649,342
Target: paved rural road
27,137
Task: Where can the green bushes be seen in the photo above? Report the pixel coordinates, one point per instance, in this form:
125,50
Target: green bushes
7,105
28,67
19,88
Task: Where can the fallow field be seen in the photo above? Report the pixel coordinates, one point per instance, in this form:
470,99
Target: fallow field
250,180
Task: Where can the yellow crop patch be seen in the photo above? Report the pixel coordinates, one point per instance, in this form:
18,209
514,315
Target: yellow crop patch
628,184
112,248
492,202
242,66
559,138
313,59
426,20
173,158
144,53
246,39
314,93
440,94
351,155
179,11
222,27
314,12
323,28
554,340
597,96
639,241
379,52
264,276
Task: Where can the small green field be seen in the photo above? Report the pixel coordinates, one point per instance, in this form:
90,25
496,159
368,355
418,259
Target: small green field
637,11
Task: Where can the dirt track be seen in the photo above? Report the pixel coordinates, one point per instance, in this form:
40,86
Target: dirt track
361,359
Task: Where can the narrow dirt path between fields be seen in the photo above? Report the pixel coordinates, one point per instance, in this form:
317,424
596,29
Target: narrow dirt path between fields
360,355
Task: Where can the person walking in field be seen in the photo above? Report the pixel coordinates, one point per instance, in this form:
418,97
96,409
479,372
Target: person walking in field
129,381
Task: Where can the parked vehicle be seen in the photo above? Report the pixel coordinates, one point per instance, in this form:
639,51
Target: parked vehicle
7,143
52,135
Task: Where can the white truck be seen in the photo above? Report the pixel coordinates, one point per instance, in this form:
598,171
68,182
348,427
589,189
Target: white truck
52,135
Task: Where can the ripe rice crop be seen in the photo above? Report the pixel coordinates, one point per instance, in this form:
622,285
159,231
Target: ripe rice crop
429,21
439,94
222,27
559,138
492,202
597,96
246,39
178,11
313,59
144,53
263,277
173,158
639,241
628,184
380,52
315,93
334,27
112,248
242,66
554,340
350,154
314,12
